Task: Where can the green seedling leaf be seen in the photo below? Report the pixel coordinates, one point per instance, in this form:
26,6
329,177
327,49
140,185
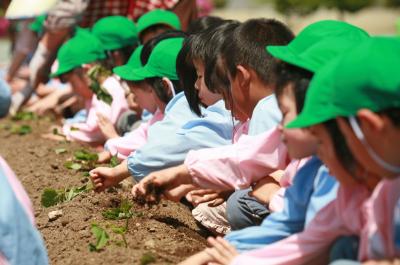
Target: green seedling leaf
114,161
96,74
50,197
147,258
24,116
123,211
60,150
101,238
73,129
73,192
86,174
72,165
84,155
21,130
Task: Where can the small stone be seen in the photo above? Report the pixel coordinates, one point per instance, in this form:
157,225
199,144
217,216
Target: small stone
137,224
150,243
152,229
54,215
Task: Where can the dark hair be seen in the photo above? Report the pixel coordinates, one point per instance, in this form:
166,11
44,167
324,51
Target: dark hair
299,77
158,86
204,46
149,46
393,114
203,23
153,29
342,151
246,46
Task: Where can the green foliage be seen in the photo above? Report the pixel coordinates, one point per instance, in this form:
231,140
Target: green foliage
24,116
96,74
120,230
114,161
21,130
123,211
52,197
348,5
72,165
84,155
101,238
147,258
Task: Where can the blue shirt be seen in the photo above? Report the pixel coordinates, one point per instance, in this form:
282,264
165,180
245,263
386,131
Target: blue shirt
266,115
169,140
20,241
312,189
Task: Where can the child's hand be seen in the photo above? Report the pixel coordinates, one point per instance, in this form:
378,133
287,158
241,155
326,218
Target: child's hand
222,252
104,177
166,181
214,198
106,126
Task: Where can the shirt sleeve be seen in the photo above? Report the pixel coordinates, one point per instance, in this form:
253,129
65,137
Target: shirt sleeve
240,164
290,220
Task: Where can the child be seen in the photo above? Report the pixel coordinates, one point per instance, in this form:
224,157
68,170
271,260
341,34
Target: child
106,96
181,129
20,241
155,22
355,211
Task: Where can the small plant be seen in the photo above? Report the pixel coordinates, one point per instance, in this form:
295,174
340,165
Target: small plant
84,155
52,197
72,165
120,231
101,238
147,258
123,211
21,130
60,150
96,75
24,116
114,161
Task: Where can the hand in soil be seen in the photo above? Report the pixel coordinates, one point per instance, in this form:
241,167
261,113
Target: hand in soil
104,177
222,252
166,182
106,126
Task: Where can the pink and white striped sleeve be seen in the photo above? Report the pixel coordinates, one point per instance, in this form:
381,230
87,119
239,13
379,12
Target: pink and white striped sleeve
238,165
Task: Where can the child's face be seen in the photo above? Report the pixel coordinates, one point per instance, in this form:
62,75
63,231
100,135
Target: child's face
144,95
206,96
379,134
299,142
79,82
326,152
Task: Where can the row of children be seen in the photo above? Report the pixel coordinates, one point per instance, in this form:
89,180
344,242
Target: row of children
290,142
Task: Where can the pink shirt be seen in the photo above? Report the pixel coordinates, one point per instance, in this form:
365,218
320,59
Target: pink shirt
89,131
240,164
123,146
354,212
19,190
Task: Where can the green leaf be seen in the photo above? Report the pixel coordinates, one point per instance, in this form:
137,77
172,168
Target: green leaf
24,116
60,150
73,129
114,161
21,130
101,238
123,211
50,197
72,165
96,74
84,155
147,258
119,230
73,192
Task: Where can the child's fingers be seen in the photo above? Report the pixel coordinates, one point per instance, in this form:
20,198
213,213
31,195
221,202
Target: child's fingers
226,245
221,248
216,255
201,192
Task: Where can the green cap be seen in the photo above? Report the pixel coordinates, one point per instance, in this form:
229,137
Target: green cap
158,16
366,76
115,32
125,71
37,24
319,43
81,49
162,61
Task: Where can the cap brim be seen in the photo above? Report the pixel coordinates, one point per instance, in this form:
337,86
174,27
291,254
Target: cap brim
305,120
124,71
284,53
60,72
133,74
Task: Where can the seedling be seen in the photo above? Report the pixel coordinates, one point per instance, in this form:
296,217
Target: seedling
24,116
147,258
21,130
114,161
123,211
96,75
60,150
52,197
121,231
72,165
101,238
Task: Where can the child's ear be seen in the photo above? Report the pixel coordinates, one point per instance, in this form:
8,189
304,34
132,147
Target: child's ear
243,75
168,87
370,120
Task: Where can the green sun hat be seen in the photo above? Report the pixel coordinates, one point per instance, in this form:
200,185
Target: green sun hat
162,61
115,32
366,76
81,49
319,43
38,24
158,16
125,71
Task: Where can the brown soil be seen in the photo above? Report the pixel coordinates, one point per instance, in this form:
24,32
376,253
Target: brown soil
167,231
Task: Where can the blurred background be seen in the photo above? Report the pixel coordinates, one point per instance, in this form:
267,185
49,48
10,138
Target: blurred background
378,17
